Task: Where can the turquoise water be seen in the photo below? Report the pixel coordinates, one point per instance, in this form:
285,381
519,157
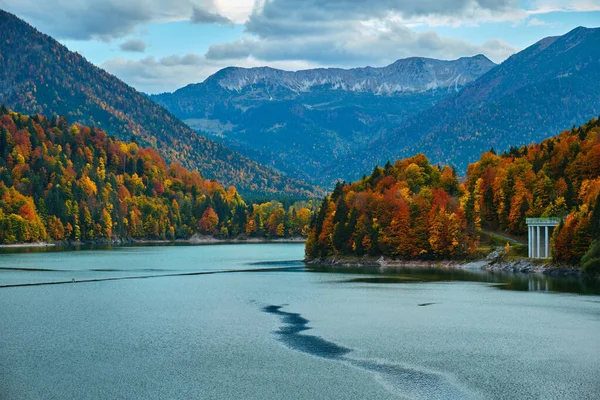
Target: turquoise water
249,322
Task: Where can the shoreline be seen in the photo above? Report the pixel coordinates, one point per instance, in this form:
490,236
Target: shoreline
27,245
494,262
194,240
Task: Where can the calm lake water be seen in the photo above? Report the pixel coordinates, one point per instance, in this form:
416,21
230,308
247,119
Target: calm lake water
250,322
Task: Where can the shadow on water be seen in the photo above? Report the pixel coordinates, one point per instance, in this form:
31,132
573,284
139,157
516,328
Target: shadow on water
121,247
58,248
404,380
500,280
290,335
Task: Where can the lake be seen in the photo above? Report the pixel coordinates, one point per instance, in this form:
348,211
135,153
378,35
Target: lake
248,321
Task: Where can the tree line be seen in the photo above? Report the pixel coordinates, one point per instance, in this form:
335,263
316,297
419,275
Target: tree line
74,183
413,209
408,210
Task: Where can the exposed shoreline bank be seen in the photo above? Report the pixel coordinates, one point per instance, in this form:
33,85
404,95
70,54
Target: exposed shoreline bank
494,262
27,245
194,240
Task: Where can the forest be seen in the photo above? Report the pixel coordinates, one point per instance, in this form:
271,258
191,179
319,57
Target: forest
558,177
413,209
62,182
408,210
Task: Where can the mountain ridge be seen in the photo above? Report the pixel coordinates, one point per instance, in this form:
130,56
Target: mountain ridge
303,80
58,81
548,87
298,121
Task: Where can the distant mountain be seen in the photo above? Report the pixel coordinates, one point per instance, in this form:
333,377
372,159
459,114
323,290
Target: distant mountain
546,88
300,121
39,75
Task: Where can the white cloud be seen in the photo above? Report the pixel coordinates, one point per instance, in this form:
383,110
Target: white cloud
108,19
536,22
237,11
200,16
548,6
292,17
208,14
153,75
355,43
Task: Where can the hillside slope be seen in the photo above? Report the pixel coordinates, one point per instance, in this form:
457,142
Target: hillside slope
39,75
73,183
413,209
546,88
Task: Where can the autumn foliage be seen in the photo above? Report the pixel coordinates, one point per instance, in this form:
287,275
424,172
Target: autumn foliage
559,177
407,210
415,210
62,182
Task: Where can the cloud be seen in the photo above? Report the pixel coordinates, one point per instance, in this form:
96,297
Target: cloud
536,22
356,32
548,6
358,44
237,11
157,75
292,17
133,45
201,16
110,19
105,19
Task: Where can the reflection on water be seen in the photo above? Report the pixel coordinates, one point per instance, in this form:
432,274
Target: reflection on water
105,262
500,280
246,321
98,247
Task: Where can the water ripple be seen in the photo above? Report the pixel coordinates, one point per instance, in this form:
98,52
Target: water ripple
399,379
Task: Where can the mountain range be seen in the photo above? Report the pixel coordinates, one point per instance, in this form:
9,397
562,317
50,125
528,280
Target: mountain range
272,132
39,75
548,87
327,124
299,121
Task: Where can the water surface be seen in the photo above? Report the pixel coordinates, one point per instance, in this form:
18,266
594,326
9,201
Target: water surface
285,332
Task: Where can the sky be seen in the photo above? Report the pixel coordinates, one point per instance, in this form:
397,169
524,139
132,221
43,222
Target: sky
157,46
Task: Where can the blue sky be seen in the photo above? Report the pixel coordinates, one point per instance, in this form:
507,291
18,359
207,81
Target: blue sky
159,46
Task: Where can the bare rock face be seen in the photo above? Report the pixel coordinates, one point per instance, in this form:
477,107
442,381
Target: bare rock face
415,74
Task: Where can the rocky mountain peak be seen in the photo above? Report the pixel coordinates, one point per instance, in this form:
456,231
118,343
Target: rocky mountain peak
414,74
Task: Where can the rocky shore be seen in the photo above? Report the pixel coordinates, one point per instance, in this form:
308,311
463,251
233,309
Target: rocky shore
495,261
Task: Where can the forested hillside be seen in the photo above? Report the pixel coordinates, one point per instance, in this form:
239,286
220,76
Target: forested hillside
61,182
550,86
559,177
413,209
39,75
409,210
